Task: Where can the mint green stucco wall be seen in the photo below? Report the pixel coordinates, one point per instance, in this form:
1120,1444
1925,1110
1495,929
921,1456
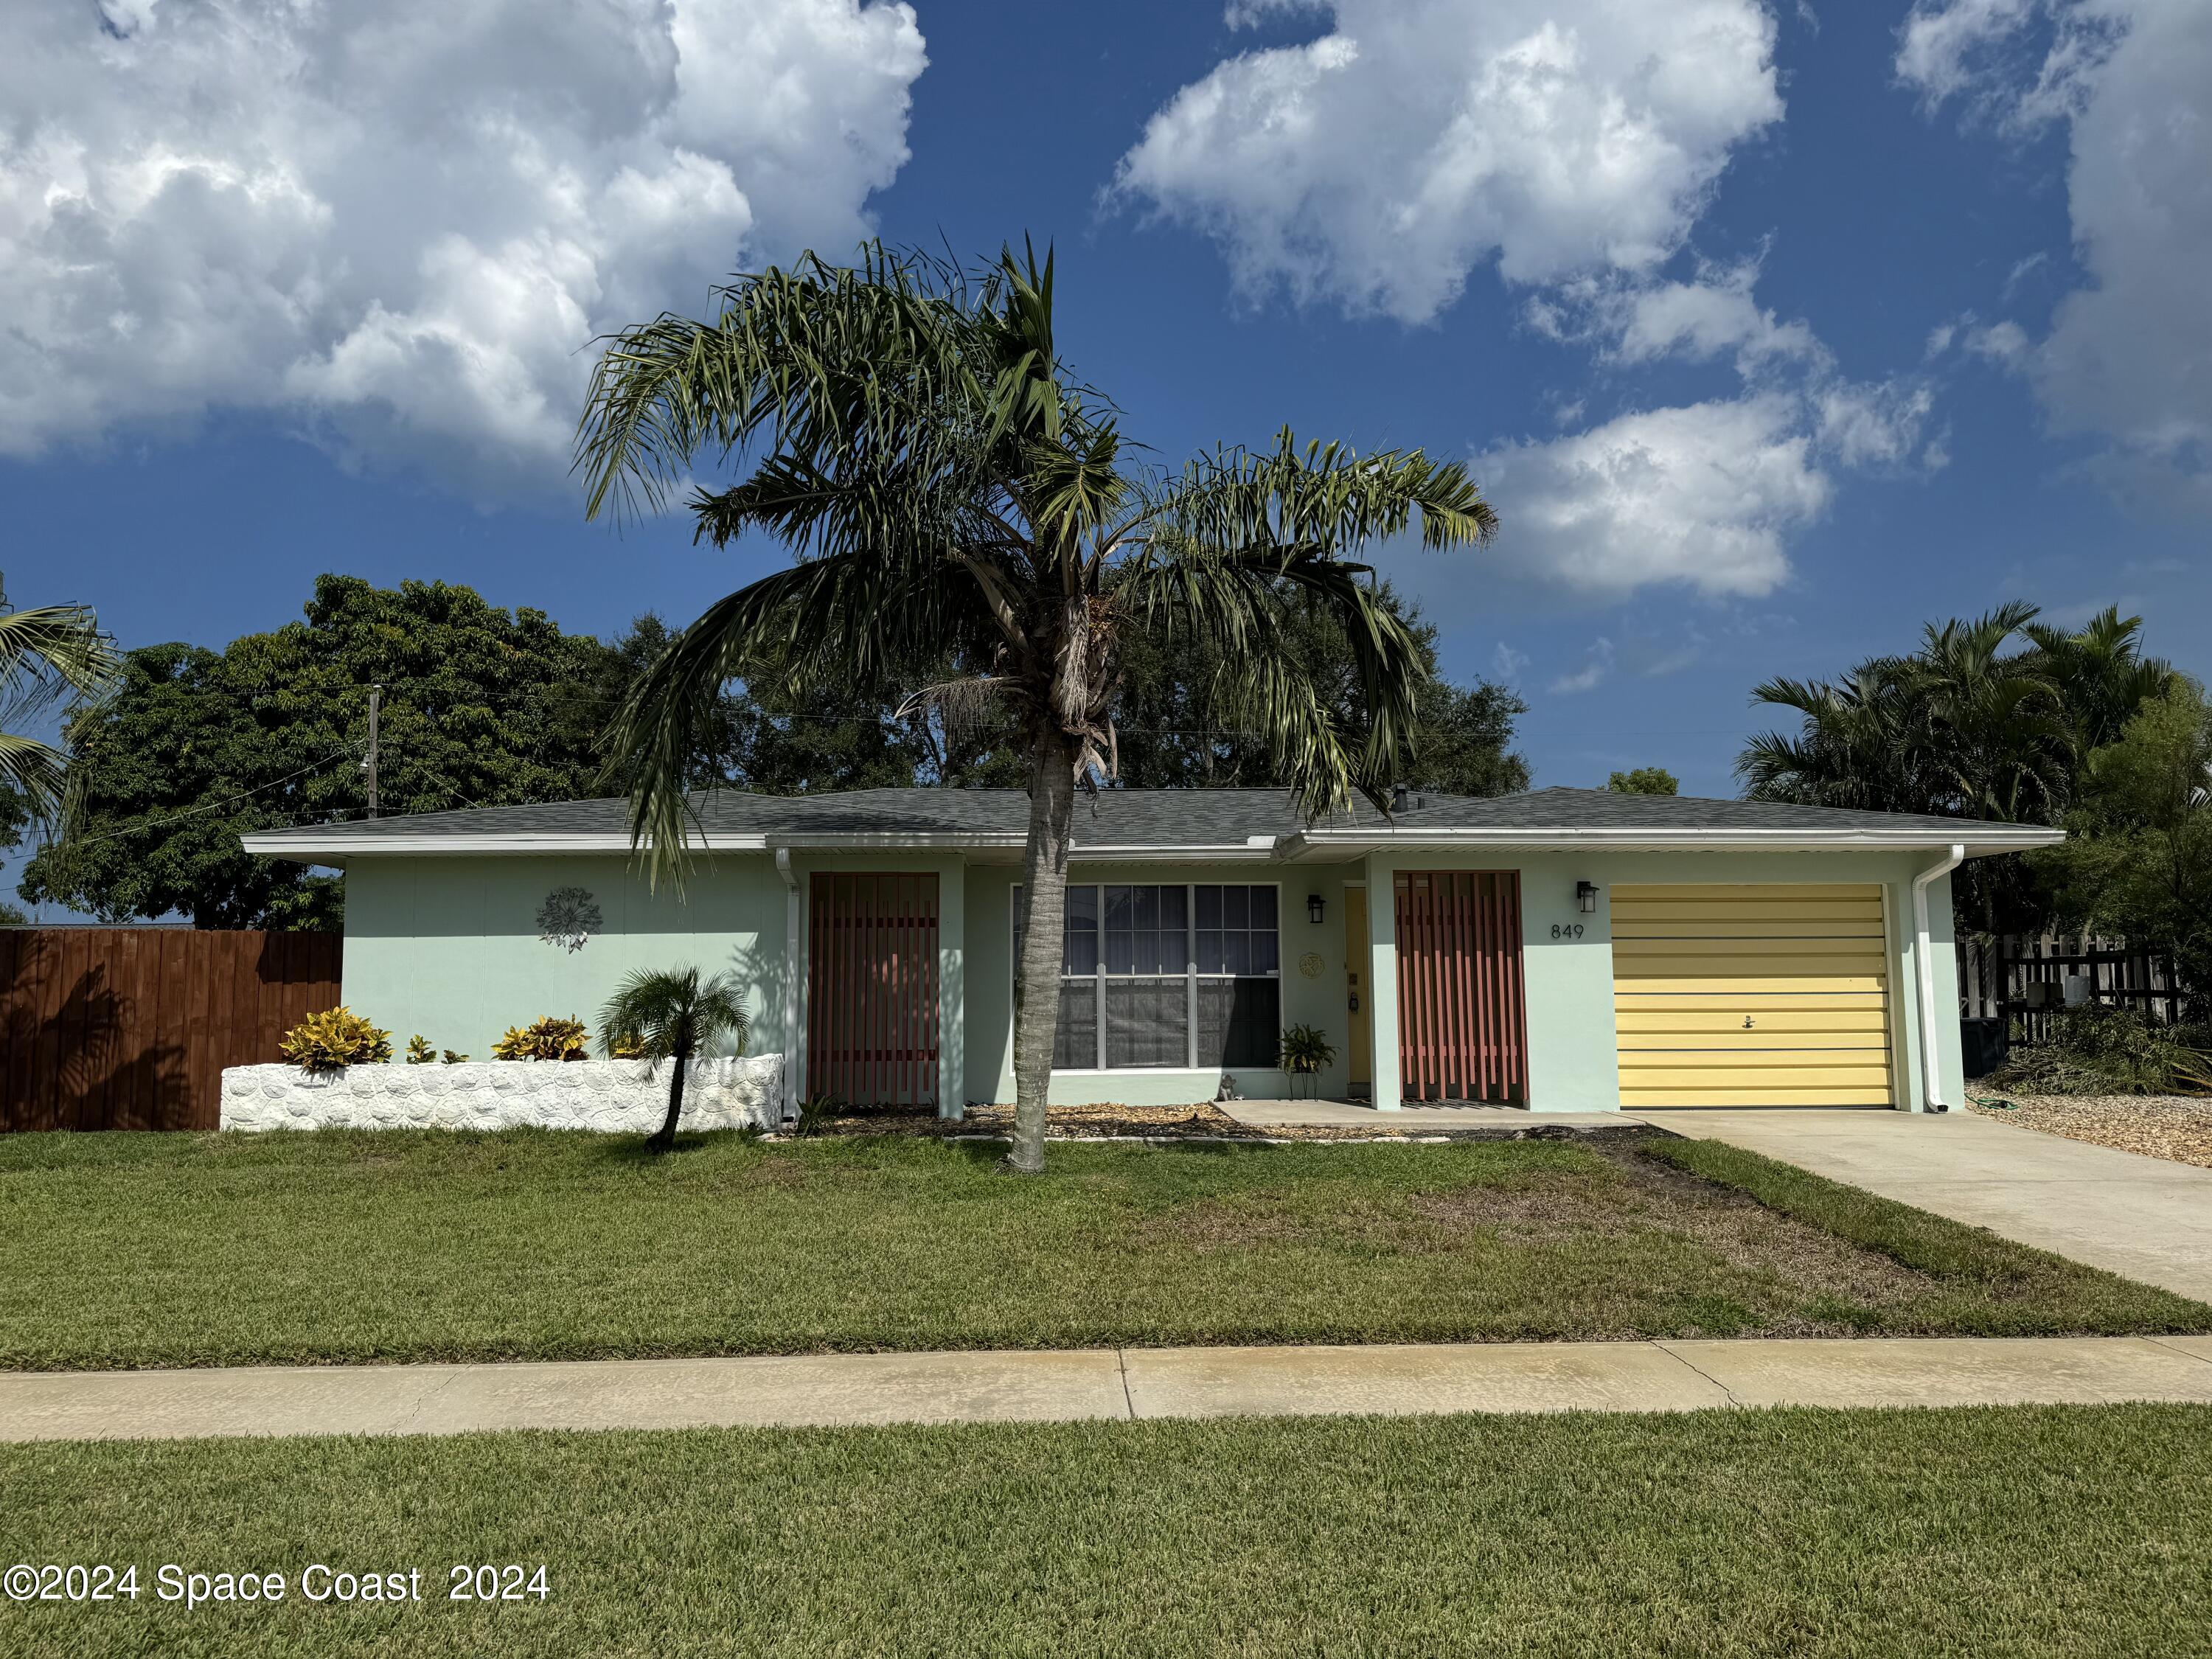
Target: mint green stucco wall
1310,1001
1572,1065
448,947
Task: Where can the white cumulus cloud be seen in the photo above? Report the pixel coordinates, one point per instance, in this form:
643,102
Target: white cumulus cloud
1379,164
1705,495
2129,355
400,225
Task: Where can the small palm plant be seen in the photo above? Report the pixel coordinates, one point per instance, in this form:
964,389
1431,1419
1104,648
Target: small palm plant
671,1015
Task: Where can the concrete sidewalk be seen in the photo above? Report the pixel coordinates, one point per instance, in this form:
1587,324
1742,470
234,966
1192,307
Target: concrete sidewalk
1124,1384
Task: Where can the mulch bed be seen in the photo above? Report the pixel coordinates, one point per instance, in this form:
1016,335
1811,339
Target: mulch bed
2178,1128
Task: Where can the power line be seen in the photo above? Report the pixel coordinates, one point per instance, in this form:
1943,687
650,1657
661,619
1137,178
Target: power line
207,806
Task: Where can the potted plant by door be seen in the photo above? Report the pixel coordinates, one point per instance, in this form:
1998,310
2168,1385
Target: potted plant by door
1307,1053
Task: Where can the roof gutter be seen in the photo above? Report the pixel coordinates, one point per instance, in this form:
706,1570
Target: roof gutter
1923,962
2009,839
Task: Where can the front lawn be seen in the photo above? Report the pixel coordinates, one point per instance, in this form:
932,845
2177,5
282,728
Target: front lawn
132,1250
2075,1531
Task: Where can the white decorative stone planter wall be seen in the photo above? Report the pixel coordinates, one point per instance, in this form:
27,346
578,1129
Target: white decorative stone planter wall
613,1096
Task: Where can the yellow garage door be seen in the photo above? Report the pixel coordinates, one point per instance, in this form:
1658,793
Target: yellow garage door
1751,995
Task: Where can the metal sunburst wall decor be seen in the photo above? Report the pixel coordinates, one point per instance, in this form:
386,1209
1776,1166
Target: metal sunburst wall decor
569,916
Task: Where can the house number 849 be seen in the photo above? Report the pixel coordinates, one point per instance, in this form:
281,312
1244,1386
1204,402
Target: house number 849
1566,930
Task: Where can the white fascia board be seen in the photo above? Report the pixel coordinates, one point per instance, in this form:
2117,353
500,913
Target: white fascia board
1344,843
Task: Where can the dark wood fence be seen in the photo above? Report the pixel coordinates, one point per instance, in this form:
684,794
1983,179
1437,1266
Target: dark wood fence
130,1028
1996,973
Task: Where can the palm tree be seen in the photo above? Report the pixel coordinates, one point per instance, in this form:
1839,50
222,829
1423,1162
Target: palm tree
949,491
671,1016
1963,728
1960,728
2101,674
53,655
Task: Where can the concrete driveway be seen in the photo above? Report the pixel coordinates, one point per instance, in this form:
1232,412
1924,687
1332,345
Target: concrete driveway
2144,1218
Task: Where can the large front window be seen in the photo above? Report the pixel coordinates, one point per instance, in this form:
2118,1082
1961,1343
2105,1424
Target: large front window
1167,977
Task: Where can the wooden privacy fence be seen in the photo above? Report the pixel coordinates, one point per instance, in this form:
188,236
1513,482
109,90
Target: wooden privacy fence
130,1028
1995,973
1461,1005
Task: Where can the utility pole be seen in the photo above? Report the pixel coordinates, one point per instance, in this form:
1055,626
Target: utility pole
376,702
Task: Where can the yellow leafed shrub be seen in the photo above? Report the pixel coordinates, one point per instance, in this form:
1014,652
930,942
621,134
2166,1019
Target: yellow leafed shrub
334,1040
549,1038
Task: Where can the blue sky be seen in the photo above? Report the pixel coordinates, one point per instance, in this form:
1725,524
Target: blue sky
1772,330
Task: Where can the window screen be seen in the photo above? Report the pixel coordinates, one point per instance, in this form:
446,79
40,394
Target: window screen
1141,955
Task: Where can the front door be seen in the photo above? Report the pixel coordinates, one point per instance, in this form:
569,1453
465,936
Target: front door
1359,1046
871,988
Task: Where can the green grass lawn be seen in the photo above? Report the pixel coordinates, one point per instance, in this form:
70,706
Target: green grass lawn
147,1250
2073,1531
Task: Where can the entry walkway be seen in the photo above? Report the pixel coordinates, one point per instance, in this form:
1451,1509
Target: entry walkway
1125,1384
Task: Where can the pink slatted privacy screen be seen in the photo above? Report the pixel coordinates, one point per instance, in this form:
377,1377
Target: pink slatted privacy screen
1461,1013
872,989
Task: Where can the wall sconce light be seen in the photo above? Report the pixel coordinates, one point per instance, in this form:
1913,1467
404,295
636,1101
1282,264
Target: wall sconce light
1586,897
1314,908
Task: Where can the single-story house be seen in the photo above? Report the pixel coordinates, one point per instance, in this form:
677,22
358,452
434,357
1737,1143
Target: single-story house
1562,950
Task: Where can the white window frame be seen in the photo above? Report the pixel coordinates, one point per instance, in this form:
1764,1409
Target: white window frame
1099,976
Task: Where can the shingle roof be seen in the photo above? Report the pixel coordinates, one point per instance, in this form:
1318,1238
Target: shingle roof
1164,819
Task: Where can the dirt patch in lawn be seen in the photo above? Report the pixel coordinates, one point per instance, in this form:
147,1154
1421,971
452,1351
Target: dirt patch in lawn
1203,1120
2178,1128
1634,1196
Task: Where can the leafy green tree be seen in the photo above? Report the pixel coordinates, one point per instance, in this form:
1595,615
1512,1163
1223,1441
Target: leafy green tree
1172,734
765,736
2138,862
952,493
481,707
1645,781
670,1018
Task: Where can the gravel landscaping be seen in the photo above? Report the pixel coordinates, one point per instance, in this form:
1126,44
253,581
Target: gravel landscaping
2174,1126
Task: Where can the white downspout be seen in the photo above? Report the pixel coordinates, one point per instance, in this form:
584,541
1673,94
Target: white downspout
791,921
1923,962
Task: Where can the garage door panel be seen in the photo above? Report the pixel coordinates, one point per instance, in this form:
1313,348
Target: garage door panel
1685,984
1655,1048
1807,1069
1632,1099
1765,995
1750,928
1638,996
1746,892
1687,1023
1632,952
1794,973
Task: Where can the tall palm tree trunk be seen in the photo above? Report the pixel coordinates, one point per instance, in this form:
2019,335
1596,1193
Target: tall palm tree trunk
664,1136
1044,903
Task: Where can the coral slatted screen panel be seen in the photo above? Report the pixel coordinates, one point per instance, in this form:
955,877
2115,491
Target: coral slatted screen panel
130,1028
1461,1005
872,1029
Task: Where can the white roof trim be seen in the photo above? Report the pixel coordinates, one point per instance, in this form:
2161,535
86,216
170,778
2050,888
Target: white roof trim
1984,839
343,842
